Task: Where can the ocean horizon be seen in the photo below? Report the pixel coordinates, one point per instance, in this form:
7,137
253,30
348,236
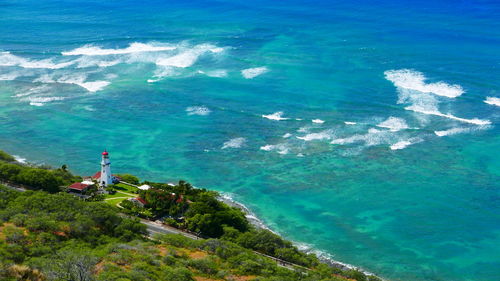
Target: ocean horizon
365,131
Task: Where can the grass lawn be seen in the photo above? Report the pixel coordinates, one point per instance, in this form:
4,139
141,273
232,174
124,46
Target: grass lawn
115,201
117,194
126,188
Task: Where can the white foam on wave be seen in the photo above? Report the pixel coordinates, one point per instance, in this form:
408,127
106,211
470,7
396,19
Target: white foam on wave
8,59
198,110
76,79
251,73
10,76
372,137
492,101
34,90
219,73
349,123
405,143
318,121
394,124
40,101
324,135
234,143
474,121
92,50
20,159
188,56
453,131
85,62
281,148
276,116
415,80
287,135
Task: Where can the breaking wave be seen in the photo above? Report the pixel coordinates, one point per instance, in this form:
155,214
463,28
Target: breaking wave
318,121
492,101
77,79
324,135
394,124
198,110
276,116
281,148
92,50
251,73
234,143
8,59
453,131
405,143
474,121
415,80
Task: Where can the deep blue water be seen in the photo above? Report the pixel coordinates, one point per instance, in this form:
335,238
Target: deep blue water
408,188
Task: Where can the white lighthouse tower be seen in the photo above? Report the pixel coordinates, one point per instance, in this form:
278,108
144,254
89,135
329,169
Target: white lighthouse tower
106,177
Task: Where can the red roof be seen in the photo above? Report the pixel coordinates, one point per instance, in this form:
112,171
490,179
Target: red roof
78,186
105,153
141,200
97,175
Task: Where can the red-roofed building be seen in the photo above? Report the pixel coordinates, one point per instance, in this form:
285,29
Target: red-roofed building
138,201
97,177
78,187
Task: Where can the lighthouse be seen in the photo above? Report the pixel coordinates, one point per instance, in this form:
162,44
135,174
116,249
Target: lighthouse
106,177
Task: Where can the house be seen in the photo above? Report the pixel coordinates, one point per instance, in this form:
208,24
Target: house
138,201
144,187
78,187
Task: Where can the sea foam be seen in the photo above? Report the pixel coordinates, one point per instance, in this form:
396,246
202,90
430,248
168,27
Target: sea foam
394,124
474,121
318,121
188,56
276,116
415,80
452,131
234,143
280,148
8,59
324,135
251,73
92,50
198,110
77,79
492,101
405,143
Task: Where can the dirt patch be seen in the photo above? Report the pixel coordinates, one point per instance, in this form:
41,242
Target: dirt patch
196,255
199,278
244,278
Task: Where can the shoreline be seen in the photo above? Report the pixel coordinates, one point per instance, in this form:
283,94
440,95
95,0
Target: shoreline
227,198
322,255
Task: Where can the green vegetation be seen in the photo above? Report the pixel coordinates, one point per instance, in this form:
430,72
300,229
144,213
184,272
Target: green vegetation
125,188
47,236
43,178
4,156
129,178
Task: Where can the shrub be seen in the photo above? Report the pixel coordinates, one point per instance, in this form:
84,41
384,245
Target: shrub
129,178
4,156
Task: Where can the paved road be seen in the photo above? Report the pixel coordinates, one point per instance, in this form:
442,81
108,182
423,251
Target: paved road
158,228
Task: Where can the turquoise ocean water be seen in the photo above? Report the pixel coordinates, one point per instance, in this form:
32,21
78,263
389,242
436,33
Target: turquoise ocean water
364,129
